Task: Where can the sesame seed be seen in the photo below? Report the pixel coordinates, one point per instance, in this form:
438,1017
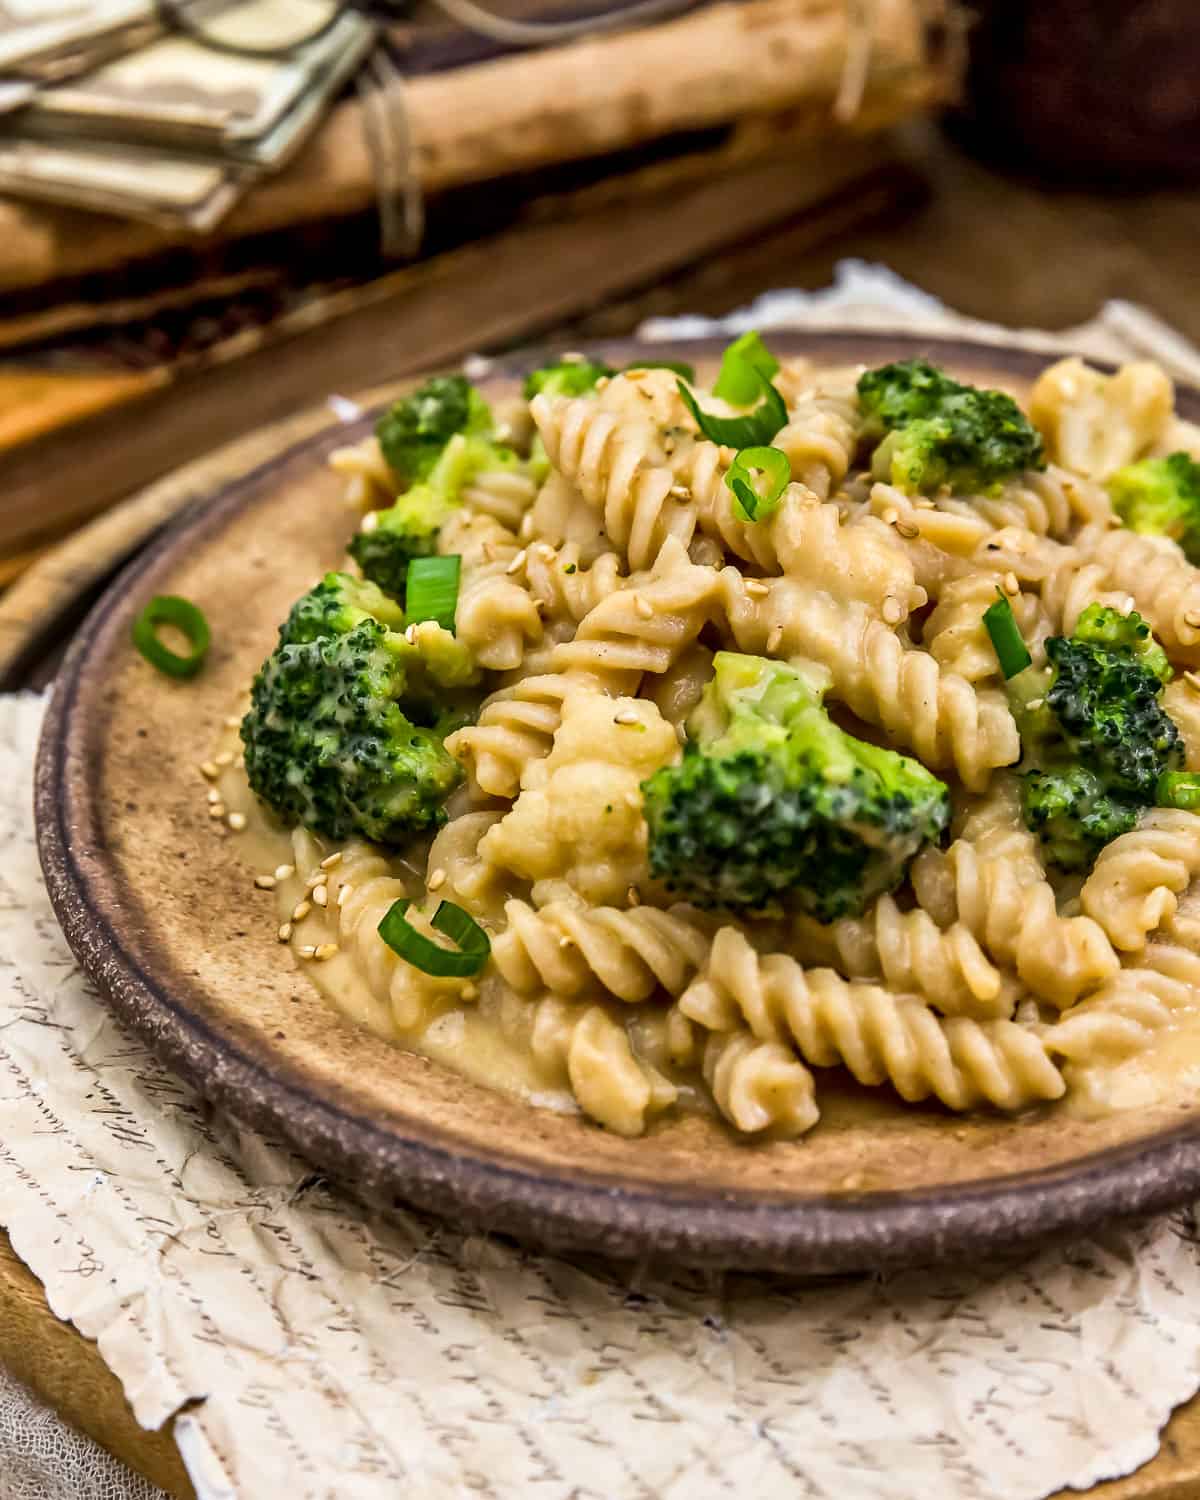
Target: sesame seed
284,872
320,895
1034,704
893,610
285,932
545,551
344,891
209,769
1011,586
213,795
924,503
633,896
237,821
517,563
324,951
603,383
626,716
370,521
565,941
775,637
680,491
756,588
307,950
233,722
240,763
1193,681
225,758
643,607
907,530
217,810
410,635
502,432
526,528
265,882
469,992
301,910
332,859
437,880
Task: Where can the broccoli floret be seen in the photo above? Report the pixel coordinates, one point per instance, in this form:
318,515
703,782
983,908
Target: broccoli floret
772,800
938,432
410,527
1094,732
569,378
1073,814
1161,496
414,431
347,716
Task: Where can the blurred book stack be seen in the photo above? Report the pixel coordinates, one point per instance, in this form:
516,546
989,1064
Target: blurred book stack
212,257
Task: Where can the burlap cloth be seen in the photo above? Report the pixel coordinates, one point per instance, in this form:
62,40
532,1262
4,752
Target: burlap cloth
309,1349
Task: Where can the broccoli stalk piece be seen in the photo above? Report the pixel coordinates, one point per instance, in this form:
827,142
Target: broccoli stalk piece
348,716
936,432
1095,735
1161,496
773,800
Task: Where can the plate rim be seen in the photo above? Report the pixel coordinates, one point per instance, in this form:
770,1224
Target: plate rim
753,1231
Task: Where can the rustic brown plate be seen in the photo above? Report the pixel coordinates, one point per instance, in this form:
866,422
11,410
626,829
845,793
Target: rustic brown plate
157,909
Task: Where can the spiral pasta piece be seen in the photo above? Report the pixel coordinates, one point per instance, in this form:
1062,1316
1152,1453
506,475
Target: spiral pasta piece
503,494
370,482
1000,894
912,954
647,626
1181,700
496,617
880,1037
759,1087
572,950
611,1085
876,673
562,586
516,726
1136,881
820,438
1164,586
1128,1014
614,470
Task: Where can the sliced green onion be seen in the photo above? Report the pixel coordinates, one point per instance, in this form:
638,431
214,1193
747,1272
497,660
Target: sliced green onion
751,431
758,478
432,591
1179,789
423,953
677,366
1011,651
170,609
744,358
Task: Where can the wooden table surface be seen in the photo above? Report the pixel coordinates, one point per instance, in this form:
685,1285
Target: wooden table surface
991,246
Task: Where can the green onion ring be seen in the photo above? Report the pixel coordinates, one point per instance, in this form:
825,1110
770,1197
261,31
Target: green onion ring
431,592
753,430
758,478
430,957
743,358
1001,624
171,609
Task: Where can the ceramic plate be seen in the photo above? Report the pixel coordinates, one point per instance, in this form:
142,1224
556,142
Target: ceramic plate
156,907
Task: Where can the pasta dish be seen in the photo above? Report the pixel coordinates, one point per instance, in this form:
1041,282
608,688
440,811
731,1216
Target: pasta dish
660,746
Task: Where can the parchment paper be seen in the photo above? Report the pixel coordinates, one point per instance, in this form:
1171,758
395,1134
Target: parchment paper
303,1342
